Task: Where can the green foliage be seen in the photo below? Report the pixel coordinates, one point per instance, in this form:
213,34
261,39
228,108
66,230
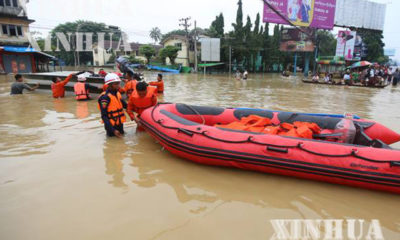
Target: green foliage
148,51
155,34
80,26
373,40
327,43
174,32
170,52
217,27
133,59
112,58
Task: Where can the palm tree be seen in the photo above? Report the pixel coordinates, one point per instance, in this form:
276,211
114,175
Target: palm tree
155,34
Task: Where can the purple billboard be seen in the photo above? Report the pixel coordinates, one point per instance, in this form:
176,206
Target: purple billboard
305,13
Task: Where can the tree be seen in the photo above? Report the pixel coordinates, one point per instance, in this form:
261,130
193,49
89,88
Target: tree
326,43
238,35
173,32
155,34
217,27
170,52
80,26
148,51
373,40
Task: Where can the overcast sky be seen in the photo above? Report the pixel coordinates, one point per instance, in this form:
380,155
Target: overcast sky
137,17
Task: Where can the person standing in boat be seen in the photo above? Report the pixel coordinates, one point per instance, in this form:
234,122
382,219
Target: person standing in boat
396,77
159,83
58,85
18,86
143,98
112,106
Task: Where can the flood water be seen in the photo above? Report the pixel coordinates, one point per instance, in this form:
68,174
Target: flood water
62,178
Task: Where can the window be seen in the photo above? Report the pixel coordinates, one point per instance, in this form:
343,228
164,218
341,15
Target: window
15,3
2,3
5,29
8,3
137,52
19,30
95,51
12,30
178,45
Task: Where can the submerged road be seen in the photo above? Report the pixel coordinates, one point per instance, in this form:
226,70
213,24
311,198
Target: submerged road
62,178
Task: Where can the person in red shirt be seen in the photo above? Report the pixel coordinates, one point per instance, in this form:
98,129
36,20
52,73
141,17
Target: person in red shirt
58,85
159,84
102,72
141,99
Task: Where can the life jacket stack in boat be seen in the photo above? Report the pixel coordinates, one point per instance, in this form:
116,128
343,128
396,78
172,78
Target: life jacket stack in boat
254,123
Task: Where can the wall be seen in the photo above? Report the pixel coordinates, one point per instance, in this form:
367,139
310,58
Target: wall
5,39
182,55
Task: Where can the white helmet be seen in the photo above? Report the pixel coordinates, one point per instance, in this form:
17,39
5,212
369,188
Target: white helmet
111,77
81,78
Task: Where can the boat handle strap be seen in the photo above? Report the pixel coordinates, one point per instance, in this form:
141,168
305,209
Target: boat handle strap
276,149
184,131
395,164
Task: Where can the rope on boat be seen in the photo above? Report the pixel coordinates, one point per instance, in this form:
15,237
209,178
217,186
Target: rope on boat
250,139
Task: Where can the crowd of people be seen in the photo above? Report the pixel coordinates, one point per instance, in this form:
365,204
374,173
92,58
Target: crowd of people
139,95
373,75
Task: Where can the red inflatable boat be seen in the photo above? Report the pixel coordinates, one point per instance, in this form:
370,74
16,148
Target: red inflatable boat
189,132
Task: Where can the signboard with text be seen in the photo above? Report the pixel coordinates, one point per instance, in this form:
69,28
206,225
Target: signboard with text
345,44
294,40
305,13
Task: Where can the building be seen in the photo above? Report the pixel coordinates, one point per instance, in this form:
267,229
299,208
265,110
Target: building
15,54
103,55
181,43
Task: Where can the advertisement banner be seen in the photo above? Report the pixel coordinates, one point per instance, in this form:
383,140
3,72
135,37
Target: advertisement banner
345,44
294,40
305,13
360,14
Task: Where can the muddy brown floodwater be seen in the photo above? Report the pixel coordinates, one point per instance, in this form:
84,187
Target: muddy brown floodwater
62,178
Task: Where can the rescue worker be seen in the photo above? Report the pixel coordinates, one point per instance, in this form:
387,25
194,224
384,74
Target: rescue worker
18,86
143,98
81,89
112,106
130,84
159,84
102,73
58,85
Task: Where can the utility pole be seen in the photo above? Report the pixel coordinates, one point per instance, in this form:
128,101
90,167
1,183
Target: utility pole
186,25
195,47
230,59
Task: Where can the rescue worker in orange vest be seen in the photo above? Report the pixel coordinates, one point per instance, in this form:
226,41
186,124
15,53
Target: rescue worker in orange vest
130,84
81,89
143,98
159,84
112,106
58,85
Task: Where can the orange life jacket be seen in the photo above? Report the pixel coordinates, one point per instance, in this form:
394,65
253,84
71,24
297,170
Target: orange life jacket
254,123
115,109
81,92
130,87
145,102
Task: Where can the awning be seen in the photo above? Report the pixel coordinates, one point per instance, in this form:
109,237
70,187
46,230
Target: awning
25,50
17,49
209,64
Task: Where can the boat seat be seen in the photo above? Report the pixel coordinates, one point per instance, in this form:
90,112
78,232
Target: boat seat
363,139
